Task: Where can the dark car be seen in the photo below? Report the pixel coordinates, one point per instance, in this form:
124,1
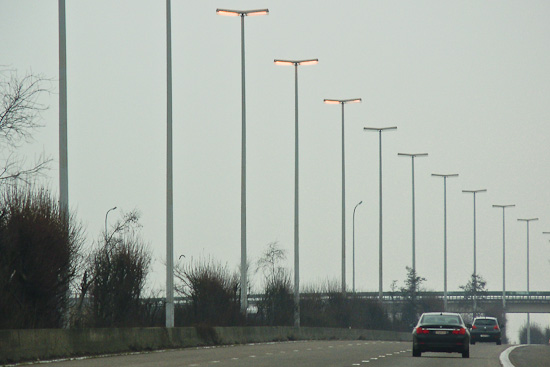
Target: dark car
441,332
485,329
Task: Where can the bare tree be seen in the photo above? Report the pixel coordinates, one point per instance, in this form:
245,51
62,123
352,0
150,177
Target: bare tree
20,115
276,305
268,263
115,276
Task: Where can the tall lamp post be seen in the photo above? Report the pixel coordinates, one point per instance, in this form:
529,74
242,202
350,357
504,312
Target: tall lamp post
445,176
244,282
475,192
296,63
380,130
413,156
359,203
63,155
169,176
503,207
527,221
343,102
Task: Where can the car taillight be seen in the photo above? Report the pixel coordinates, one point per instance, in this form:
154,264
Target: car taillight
460,331
496,327
420,330
474,327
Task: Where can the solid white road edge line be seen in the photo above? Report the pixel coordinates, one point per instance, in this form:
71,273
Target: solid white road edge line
504,356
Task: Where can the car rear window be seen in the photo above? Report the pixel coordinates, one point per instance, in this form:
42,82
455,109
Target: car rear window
485,322
441,320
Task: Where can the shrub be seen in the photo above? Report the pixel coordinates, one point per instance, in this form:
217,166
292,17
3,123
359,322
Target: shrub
212,293
39,247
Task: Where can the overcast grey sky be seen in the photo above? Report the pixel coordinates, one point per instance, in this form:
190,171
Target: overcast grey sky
466,81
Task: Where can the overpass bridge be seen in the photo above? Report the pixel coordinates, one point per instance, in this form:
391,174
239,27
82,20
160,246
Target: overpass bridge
457,301
515,302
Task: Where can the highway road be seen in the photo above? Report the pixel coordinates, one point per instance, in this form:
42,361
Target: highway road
299,353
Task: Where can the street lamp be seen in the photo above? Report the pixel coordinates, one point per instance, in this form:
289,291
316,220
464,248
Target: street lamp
380,130
169,321
413,206
504,251
295,63
343,102
359,203
106,215
528,314
242,14
63,152
474,192
445,176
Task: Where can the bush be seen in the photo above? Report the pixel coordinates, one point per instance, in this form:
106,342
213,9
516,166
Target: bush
328,307
213,295
276,307
115,278
39,247
538,336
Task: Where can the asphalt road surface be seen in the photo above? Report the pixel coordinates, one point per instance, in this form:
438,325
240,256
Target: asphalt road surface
300,353
531,356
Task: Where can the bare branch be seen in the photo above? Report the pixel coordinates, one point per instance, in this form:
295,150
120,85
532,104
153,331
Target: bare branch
19,106
20,111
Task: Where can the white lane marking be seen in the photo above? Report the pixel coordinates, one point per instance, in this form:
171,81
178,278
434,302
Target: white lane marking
214,362
356,364
296,350
308,348
234,359
388,354
269,353
365,361
374,358
504,356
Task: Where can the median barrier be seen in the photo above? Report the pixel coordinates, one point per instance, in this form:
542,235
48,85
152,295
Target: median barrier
44,344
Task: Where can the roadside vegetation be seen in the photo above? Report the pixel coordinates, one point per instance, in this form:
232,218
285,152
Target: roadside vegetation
48,280
538,334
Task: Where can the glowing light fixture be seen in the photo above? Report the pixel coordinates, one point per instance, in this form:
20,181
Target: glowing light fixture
338,101
236,13
297,62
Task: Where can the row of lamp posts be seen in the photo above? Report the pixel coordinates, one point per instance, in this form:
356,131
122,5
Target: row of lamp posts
244,302
63,177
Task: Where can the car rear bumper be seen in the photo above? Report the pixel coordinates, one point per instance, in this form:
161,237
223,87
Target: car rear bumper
454,344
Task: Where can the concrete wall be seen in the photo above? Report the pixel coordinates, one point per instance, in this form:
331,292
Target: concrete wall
28,345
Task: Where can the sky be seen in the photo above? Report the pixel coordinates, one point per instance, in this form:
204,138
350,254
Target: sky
466,82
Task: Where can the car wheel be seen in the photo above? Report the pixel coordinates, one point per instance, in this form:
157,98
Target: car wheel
466,354
499,342
416,352
472,341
